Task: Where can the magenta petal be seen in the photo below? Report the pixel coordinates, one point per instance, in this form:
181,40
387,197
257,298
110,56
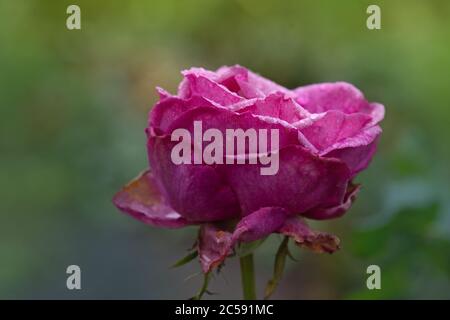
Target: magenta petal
303,236
259,224
141,199
199,85
214,245
302,182
224,119
326,129
376,111
356,158
335,211
277,106
322,97
247,83
356,151
200,193
169,109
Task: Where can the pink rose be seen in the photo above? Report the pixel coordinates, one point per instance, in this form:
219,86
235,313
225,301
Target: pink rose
327,134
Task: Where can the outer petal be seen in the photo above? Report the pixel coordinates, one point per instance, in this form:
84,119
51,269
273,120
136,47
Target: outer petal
302,182
322,97
376,111
260,224
316,241
356,151
329,128
322,213
199,193
141,199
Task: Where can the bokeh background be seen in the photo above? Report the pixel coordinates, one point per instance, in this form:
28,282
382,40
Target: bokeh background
73,111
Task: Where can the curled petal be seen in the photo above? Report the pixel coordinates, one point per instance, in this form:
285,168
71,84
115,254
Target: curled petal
335,211
247,83
329,128
259,224
356,158
376,111
277,106
141,199
236,79
197,84
322,97
316,241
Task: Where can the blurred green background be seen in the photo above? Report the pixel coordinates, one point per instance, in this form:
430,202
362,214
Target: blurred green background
73,111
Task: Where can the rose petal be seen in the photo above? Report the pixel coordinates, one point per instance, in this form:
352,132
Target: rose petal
328,128
316,241
196,84
247,83
322,97
169,109
141,199
302,182
260,224
277,106
200,193
322,213
224,119
214,245
356,158
376,111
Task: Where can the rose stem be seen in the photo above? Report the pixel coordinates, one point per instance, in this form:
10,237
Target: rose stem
248,277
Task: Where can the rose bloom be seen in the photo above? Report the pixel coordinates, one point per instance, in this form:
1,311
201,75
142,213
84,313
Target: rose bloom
328,133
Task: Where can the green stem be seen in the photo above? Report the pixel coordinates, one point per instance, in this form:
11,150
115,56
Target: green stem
248,277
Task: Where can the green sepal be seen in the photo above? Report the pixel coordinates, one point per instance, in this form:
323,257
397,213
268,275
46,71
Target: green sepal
280,261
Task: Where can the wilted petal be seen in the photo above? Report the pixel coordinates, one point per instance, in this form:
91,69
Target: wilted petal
141,199
322,97
316,241
214,245
322,213
302,182
259,224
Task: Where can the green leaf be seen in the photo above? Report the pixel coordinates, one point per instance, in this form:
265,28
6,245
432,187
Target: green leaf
280,261
191,256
